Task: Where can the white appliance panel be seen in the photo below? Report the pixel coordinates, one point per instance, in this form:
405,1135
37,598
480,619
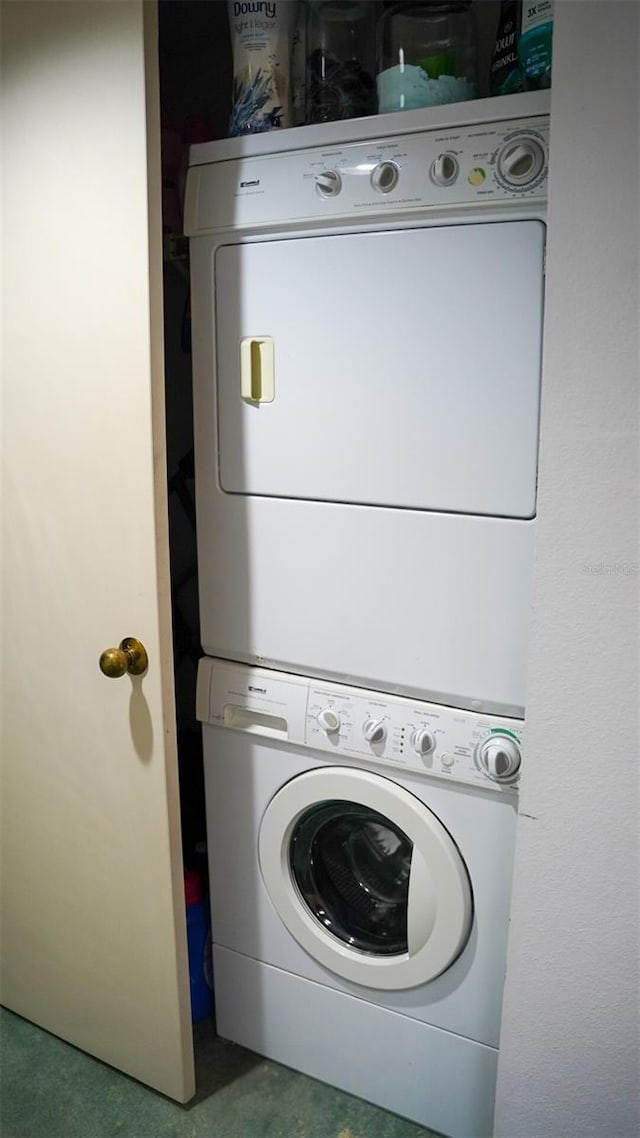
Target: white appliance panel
434,605
431,1076
230,188
409,735
407,367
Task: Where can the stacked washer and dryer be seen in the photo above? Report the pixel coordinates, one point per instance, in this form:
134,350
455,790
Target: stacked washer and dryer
367,330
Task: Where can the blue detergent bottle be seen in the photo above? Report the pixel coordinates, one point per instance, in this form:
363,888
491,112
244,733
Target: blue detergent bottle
199,946
535,46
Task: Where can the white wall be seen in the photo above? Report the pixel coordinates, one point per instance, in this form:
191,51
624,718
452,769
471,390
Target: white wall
569,1052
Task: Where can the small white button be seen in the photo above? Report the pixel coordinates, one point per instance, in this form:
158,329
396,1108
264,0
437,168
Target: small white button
447,760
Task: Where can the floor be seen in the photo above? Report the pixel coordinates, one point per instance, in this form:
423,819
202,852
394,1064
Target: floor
48,1089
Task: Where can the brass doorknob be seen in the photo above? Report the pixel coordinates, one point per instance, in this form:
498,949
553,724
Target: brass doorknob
130,656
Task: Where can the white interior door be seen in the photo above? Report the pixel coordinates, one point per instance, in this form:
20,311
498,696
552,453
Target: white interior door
93,931
406,367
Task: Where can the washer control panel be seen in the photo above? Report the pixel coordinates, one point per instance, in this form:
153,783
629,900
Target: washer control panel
435,169
353,723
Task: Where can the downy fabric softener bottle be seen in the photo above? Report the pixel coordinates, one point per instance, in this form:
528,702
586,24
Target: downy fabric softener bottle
261,37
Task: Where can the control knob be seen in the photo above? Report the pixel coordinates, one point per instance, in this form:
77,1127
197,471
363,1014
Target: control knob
423,741
374,730
384,177
328,183
329,720
444,170
499,757
520,161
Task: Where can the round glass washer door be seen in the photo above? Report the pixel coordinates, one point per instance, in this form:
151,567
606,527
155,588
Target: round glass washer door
365,877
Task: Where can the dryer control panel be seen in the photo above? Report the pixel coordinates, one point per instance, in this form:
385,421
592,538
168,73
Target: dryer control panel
446,169
353,723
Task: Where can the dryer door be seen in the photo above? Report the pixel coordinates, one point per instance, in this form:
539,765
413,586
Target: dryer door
395,369
365,877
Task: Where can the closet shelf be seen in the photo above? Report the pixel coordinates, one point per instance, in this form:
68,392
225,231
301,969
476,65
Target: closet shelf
446,117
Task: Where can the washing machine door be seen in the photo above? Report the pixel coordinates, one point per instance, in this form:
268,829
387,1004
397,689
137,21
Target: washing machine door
365,877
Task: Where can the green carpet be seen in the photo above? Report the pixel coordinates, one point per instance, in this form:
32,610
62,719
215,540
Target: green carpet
51,1090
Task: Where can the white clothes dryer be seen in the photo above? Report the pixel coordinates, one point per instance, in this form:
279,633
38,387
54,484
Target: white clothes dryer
361,851
367,344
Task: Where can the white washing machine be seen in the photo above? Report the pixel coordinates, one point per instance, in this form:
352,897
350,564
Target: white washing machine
361,851
367,329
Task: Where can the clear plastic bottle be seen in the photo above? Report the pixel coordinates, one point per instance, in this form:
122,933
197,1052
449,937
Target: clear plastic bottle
426,55
340,39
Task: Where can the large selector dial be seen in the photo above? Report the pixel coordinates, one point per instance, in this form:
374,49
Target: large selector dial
520,161
374,730
499,757
328,183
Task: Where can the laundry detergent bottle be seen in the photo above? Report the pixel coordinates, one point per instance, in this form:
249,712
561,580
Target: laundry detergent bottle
535,46
505,76
261,39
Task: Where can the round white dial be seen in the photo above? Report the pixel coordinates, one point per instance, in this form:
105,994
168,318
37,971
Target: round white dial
329,720
374,730
328,183
499,757
422,741
444,170
520,161
384,177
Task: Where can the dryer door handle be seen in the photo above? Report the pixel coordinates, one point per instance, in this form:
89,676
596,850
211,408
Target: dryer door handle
257,369
421,904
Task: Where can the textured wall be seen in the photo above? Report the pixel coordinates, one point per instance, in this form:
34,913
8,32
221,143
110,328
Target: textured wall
569,1062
